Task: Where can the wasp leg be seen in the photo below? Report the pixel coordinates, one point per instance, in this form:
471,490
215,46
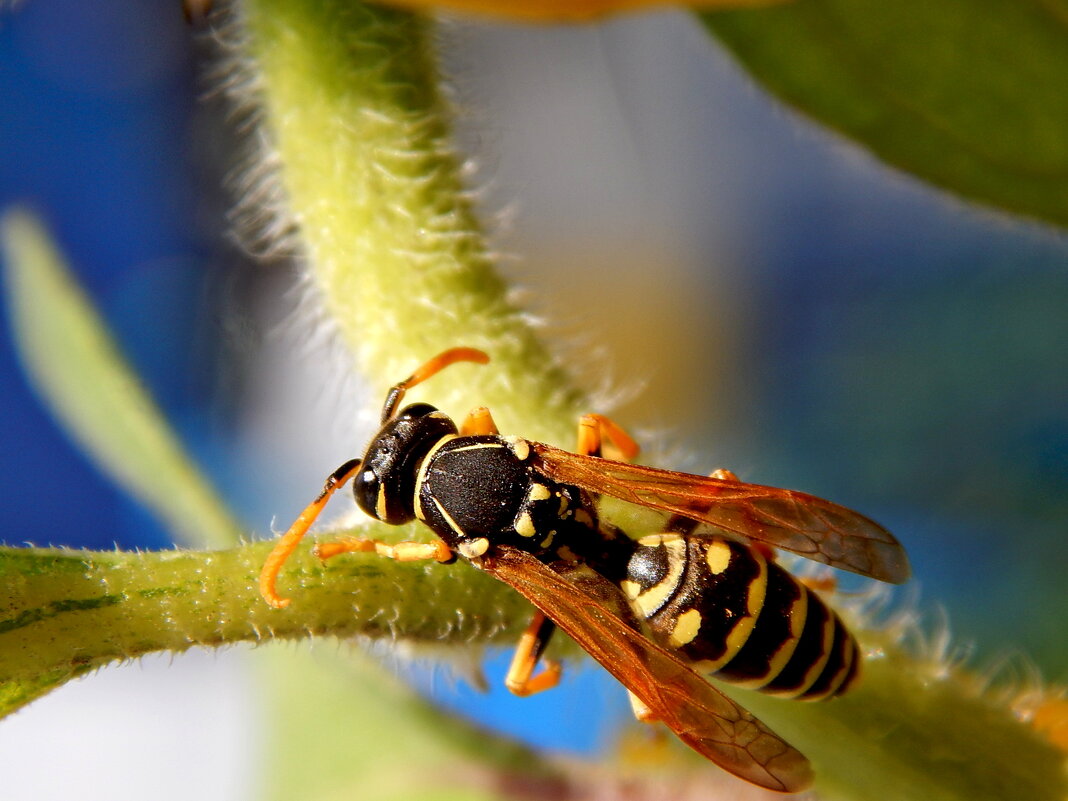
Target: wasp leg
520,678
826,584
641,712
594,430
407,551
479,421
679,524
288,542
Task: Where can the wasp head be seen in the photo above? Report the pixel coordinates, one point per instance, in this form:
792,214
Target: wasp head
385,486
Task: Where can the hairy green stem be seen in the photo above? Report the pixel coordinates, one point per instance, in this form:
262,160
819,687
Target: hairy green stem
351,104
70,610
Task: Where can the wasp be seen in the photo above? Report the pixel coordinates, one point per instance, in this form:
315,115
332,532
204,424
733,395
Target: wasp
702,596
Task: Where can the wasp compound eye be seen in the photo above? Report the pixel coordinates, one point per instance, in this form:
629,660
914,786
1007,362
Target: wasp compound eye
367,488
416,410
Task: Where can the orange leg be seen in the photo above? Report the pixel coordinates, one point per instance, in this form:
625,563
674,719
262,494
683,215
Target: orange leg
288,542
520,678
594,430
479,421
407,551
642,713
820,583
680,524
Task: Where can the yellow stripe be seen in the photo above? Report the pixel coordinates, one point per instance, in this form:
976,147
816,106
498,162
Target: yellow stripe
653,598
848,654
817,667
477,446
380,501
422,474
781,658
448,518
758,588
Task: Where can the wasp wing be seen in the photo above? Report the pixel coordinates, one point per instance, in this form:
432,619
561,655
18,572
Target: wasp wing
701,716
795,521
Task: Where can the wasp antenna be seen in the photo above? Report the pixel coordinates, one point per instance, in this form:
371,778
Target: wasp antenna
430,368
289,541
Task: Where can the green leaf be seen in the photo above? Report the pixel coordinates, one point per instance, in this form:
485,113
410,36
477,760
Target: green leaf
80,374
966,94
361,733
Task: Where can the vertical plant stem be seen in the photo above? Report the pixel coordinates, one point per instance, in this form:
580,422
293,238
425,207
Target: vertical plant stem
351,104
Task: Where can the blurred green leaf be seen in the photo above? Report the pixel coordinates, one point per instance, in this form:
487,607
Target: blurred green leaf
966,94
361,733
83,378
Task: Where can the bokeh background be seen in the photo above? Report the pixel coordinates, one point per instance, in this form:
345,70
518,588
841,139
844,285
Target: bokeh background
757,294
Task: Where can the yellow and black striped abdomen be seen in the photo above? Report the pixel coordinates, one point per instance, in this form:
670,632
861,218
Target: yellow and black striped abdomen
720,604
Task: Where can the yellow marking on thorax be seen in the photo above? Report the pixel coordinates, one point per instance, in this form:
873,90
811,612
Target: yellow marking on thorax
686,627
566,554
472,549
524,525
630,588
646,603
520,447
538,492
448,518
478,446
422,474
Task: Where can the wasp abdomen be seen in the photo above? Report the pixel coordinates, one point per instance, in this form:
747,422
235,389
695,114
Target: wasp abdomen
736,615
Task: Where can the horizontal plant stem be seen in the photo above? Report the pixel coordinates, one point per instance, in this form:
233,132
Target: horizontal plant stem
74,610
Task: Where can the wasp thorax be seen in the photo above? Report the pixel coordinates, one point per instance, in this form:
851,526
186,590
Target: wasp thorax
385,487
